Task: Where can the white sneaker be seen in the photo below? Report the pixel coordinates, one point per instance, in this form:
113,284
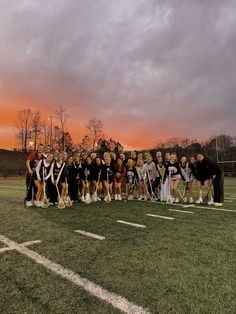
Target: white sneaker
218,204
211,202
140,197
191,200
199,201
116,197
82,199
99,199
29,203
185,200
119,198
176,200
145,198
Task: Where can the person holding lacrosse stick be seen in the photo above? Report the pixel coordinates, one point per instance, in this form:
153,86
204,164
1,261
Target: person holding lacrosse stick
142,176
173,171
31,164
58,179
85,180
151,172
43,173
119,175
187,177
160,178
107,177
131,178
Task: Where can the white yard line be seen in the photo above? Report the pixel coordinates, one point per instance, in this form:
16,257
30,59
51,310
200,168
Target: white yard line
114,299
230,198
181,211
130,224
4,249
158,216
217,208
90,235
227,201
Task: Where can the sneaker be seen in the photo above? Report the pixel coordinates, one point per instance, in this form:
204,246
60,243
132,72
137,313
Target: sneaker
218,204
82,199
119,198
176,200
145,198
99,199
29,203
199,201
116,197
211,202
185,200
140,197
191,200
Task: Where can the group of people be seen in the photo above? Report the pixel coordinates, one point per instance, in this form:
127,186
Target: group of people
86,177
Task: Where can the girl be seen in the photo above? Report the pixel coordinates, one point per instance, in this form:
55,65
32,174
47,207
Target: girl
85,179
96,183
174,174
131,178
43,173
160,178
107,177
58,178
142,180
187,176
73,173
119,173
151,171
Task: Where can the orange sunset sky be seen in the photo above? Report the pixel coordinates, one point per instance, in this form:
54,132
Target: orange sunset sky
149,70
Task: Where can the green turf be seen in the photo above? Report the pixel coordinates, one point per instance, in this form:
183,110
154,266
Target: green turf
186,265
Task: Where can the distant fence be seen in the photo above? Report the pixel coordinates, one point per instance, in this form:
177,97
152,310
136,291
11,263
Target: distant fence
11,172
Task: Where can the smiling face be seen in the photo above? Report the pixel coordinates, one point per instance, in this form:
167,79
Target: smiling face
200,157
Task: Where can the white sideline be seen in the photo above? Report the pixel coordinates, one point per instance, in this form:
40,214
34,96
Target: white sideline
158,216
131,224
4,249
181,211
230,198
216,208
90,235
114,299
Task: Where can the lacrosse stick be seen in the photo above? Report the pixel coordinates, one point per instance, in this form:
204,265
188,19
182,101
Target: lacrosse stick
180,194
45,202
28,190
61,203
169,197
153,196
87,196
205,200
95,194
108,196
68,201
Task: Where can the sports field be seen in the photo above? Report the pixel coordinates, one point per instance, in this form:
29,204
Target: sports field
182,265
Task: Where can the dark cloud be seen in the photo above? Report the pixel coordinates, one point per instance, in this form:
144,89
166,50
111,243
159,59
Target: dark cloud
158,65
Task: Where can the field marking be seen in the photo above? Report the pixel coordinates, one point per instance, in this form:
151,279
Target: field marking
181,211
90,235
115,300
4,249
187,206
217,208
227,201
230,198
158,216
130,224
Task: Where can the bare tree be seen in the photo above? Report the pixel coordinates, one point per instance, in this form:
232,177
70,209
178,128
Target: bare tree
45,133
36,127
95,131
61,116
23,121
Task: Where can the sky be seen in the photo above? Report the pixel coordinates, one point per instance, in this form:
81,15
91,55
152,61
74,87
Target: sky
149,69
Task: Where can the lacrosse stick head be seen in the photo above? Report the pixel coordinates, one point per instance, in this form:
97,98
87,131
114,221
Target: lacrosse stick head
45,203
94,197
68,201
61,204
87,198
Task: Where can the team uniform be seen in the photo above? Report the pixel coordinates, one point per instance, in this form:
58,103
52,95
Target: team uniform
151,171
187,177
131,180
33,159
43,173
160,180
73,176
58,174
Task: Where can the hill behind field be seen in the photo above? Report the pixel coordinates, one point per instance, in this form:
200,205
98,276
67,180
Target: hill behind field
12,162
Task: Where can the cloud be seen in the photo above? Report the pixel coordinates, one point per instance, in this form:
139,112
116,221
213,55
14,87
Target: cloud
143,67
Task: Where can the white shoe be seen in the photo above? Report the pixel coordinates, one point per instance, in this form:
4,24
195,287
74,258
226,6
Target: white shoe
218,204
199,201
185,200
145,198
116,197
99,199
119,198
211,202
191,200
29,203
82,199
176,200
140,197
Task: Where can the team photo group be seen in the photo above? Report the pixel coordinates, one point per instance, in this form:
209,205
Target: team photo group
56,178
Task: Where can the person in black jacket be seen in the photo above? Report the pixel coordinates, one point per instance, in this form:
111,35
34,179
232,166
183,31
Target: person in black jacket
217,176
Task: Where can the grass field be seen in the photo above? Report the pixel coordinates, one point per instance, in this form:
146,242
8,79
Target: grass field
184,265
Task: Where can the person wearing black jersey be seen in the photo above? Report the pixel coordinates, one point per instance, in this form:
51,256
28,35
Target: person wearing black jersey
31,164
107,177
216,176
43,173
73,174
142,177
58,178
131,178
187,177
174,174
96,183
85,179
119,173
